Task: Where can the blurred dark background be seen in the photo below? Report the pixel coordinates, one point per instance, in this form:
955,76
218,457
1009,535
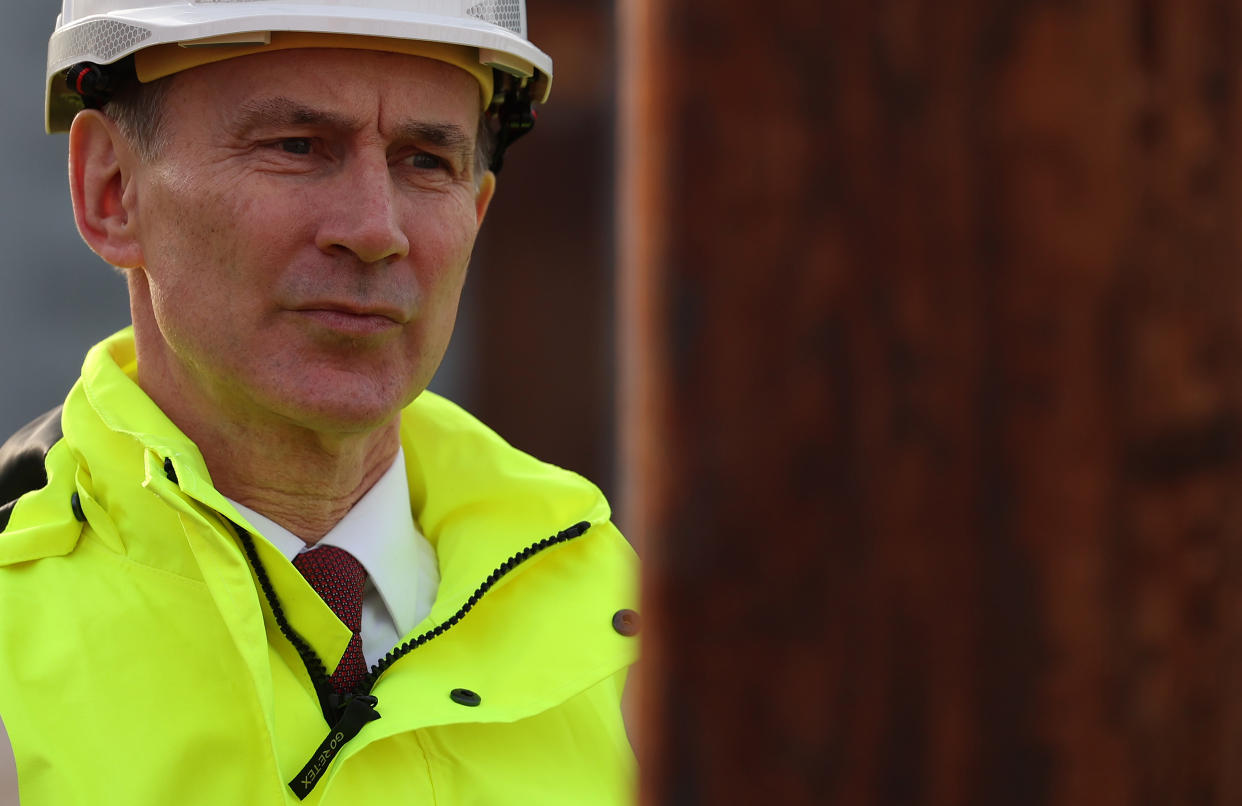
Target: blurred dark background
532,353
57,298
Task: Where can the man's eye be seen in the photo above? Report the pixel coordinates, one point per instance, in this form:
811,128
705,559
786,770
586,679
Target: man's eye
425,161
296,145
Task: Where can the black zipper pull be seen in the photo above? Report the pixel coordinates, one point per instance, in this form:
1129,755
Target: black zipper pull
359,710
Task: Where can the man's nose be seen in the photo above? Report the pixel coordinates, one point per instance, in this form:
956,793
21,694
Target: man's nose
363,215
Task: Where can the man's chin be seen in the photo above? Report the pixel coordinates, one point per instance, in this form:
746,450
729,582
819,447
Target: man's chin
335,412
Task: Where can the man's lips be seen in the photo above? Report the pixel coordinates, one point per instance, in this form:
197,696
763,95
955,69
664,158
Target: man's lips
352,319
391,312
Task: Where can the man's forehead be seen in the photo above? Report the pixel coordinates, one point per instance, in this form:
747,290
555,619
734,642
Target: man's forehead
404,97
263,112
165,60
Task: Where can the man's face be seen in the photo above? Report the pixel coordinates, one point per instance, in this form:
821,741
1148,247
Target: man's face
305,232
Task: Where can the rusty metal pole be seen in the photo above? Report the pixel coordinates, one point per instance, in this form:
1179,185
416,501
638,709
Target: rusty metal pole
931,402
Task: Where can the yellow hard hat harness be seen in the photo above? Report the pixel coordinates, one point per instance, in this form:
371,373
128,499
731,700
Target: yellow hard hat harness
510,115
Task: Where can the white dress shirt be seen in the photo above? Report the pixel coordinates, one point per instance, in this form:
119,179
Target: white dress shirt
402,572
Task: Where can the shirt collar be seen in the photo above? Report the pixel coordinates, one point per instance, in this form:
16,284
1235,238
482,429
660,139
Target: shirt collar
380,532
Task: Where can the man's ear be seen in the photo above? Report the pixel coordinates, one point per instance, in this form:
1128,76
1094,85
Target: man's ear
101,166
483,198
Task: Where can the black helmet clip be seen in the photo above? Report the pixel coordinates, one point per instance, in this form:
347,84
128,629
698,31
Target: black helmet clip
511,119
94,83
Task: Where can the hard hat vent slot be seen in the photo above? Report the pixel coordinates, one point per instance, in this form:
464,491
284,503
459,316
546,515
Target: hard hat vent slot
100,41
505,13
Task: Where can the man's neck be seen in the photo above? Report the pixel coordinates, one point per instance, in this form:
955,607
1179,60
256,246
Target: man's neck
305,488
303,479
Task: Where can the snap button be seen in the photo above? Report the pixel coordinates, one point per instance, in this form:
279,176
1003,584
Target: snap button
76,503
625,622
464,696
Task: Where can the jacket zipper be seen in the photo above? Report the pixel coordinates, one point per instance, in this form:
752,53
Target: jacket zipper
348,713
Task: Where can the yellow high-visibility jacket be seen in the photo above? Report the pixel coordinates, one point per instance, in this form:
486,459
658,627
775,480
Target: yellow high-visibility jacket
141,661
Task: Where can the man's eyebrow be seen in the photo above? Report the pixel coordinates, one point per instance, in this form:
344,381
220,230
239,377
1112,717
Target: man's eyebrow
280,110
448,136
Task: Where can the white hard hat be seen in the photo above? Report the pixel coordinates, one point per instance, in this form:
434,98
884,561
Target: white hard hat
491,34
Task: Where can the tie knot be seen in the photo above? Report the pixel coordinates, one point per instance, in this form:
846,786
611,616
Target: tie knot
338,578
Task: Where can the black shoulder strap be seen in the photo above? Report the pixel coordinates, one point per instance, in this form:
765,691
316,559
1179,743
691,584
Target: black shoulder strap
21,461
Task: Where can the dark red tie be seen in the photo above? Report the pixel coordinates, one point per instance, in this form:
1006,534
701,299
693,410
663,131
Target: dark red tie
339,578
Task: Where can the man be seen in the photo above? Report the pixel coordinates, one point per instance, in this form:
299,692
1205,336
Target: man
250,559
